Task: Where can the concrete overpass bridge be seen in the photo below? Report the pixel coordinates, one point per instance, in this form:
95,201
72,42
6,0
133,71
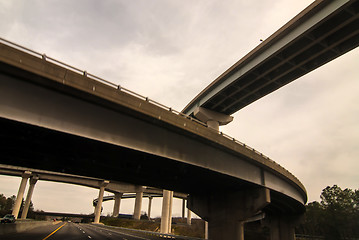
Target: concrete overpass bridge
320,33
66,120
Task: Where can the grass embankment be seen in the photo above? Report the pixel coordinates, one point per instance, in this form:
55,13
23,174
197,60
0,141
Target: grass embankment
179,226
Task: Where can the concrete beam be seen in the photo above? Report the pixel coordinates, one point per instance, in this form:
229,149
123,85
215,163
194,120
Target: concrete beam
211,118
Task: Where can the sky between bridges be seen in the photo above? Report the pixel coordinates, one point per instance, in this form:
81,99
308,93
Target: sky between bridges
171,50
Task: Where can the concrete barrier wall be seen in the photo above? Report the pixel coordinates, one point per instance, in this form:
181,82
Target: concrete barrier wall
21,226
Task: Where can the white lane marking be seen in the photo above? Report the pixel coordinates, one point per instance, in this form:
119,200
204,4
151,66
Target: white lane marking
83,231
130,235
89,236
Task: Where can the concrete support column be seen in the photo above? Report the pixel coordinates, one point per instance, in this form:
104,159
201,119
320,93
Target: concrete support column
149,207
189,217
226,212
165,211
116,205
99,202
283,227
205,230
20,193
183,207
170,213
25,210
138,205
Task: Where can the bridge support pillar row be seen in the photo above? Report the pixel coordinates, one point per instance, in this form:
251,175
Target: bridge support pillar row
20,193
138,206
99,202
165,211
226,212
25,210
116,205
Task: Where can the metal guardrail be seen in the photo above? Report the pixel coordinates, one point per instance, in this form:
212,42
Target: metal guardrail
120,88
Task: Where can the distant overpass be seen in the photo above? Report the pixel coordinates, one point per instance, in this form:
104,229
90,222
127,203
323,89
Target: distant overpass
44,175
320,33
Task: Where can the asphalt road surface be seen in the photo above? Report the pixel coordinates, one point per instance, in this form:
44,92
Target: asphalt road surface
74,231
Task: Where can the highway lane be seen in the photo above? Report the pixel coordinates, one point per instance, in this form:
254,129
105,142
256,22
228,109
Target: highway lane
73,231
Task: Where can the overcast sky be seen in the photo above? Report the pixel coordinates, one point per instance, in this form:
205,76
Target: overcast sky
171,50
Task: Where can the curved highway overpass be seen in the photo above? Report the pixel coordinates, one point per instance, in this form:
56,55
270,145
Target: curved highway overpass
66,121
320,33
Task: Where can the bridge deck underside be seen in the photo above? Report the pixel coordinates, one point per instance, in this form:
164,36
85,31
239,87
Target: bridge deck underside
327,40
40,148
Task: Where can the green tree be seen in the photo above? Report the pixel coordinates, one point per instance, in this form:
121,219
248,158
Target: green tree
335,217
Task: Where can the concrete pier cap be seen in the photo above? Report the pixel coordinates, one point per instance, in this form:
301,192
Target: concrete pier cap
212,118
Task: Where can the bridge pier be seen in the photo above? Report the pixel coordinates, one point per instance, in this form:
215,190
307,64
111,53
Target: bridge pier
99,202
149,207
189,216
25,210
226,212
166,217
116,205
138,205
282,227
20,193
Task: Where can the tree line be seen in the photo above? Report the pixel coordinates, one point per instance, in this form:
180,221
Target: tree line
336,216
7,203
